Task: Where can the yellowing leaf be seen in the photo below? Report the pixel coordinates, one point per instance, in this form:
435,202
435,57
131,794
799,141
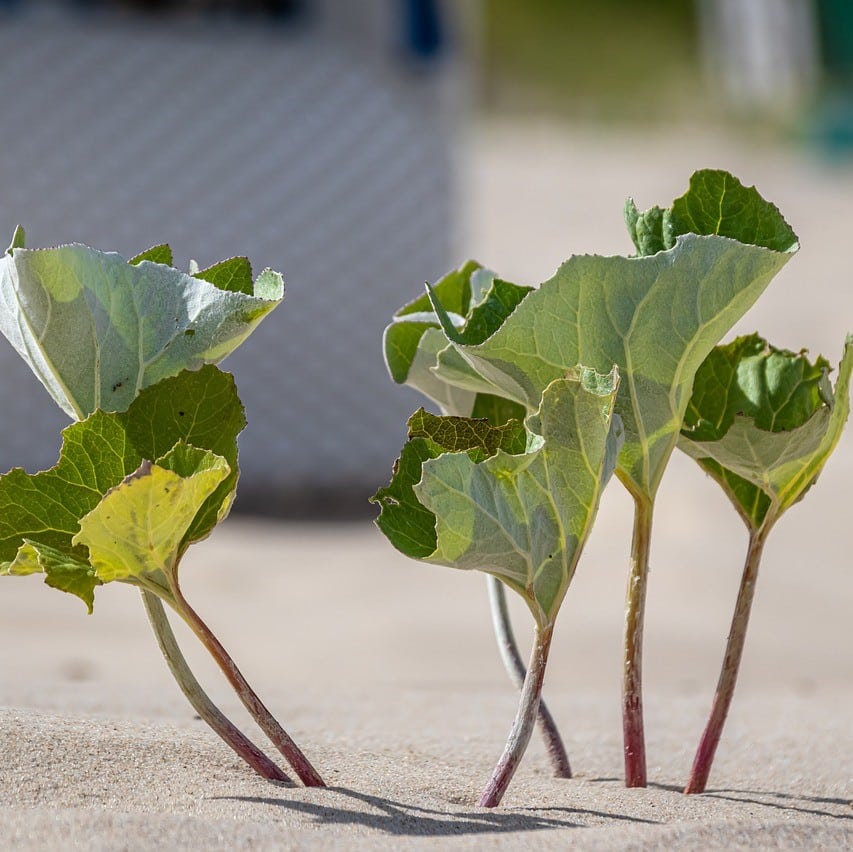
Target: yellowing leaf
138,526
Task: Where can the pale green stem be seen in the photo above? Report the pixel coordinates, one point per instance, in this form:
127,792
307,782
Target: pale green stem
525,720
199,699
517,672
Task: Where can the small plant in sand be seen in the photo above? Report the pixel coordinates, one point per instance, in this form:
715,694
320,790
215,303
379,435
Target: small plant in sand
480,342
150,466
517,501
411,345
762,422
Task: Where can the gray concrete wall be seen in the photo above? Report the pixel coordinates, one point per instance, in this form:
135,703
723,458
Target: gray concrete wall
314,150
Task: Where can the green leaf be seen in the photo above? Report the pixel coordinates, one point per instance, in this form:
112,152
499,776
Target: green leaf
200,408
479,438
46,507
718,203
19,239
96,329
62,571
656,317
496,409
751,502
780,390
156,254
412,321
456,289
405,522
475,303
43,510
138,527
515,504
646,229
500,300
763,422
234,274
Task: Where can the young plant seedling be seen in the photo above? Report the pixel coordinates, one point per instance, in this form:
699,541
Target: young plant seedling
411,345
516,501
701,265
762,422
150,466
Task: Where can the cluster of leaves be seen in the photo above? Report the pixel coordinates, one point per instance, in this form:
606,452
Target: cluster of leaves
516,501
128,350
762,422
702,264
151,463
479,346
131,491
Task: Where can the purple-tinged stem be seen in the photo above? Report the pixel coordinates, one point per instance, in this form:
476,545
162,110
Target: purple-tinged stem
731,664
267,722
514,666
525,720
632,677
199,699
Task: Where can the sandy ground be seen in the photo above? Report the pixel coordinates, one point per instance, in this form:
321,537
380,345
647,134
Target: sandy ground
385,670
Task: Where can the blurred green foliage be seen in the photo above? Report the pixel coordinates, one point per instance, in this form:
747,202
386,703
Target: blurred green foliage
601,60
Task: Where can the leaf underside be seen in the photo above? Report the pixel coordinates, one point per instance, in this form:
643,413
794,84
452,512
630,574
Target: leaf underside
516,503
96,329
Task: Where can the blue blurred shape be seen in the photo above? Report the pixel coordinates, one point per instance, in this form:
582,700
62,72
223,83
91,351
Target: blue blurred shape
424,34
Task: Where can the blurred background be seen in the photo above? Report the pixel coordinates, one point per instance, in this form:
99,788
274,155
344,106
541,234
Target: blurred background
365,146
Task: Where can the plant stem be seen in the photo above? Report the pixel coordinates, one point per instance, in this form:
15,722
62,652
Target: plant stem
199,699
267,722
632,676
525,719
731,664
514,666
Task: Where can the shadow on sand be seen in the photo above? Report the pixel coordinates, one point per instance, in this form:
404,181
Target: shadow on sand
398,818
773,799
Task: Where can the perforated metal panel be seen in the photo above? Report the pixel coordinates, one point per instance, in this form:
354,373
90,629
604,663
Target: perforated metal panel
325,163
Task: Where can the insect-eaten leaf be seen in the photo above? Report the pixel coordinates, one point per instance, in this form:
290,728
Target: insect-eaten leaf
516,501
175,446
763,421
655,316
97,329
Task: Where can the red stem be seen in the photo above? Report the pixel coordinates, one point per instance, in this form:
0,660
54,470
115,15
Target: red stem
267,722
197,697
632,676
731,664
